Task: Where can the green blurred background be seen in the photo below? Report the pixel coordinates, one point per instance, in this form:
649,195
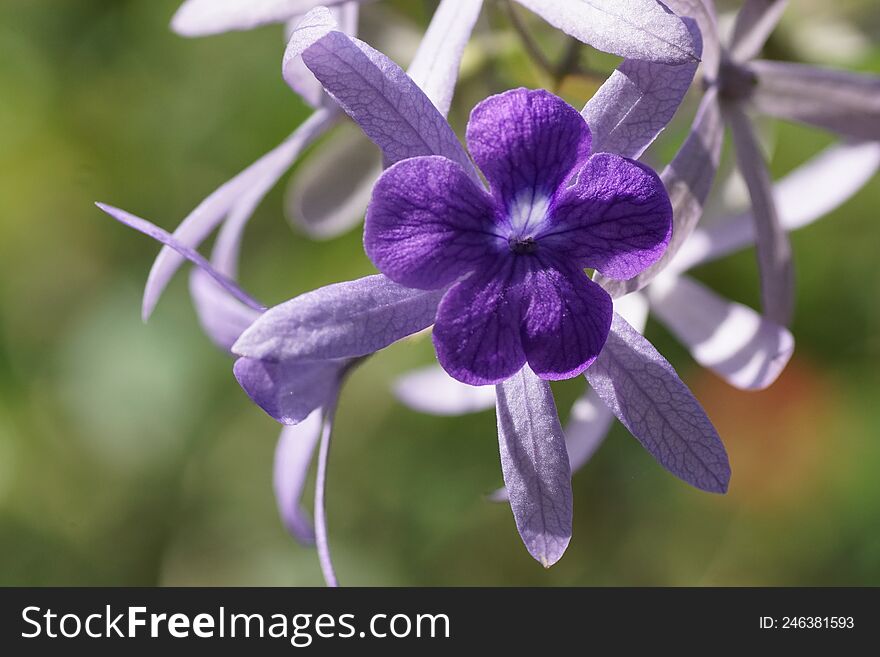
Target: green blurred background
129,456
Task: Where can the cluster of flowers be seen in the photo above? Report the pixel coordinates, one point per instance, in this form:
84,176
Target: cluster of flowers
489,245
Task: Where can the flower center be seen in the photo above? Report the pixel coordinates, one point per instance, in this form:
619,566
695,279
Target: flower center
528,211
735,82
522,245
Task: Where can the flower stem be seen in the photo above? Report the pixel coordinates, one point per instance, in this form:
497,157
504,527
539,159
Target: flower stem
532,49
569,64
321,540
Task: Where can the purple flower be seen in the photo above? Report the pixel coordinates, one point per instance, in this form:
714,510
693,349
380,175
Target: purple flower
360,317
294,356
515,257
357,318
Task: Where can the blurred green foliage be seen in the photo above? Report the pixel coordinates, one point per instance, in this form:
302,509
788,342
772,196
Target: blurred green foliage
129,456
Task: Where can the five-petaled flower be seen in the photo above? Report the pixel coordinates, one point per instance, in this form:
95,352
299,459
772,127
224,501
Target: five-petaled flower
515,257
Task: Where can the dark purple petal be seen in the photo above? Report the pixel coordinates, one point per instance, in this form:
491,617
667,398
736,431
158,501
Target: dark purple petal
435,65
345,320
634,105
566,318
840,101
535,465
528,144
755,22
617,219
772,243
477,332
688,179
646,395
640,29
388,106
428,224
289,390
293,455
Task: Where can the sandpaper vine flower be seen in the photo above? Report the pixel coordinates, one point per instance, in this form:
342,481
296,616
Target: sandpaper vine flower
515,257
357,318
293,357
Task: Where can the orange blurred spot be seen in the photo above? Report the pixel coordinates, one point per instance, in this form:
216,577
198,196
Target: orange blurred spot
778,439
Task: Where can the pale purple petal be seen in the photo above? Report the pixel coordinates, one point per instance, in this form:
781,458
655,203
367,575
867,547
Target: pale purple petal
288,391
745,349
293,456
840,101
303,81
634,105
227,246
772,244
241,194
616,219
298,75
314,26
432,391
329,192
222,317
755,23
639,29
566,318
535,465
345,320
151,230
808,193
703,12
477,332
634,309
387,105
204,17
824,183
429,224
527,144
586,429
590,418
646,395
223,309
688,179
435,65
